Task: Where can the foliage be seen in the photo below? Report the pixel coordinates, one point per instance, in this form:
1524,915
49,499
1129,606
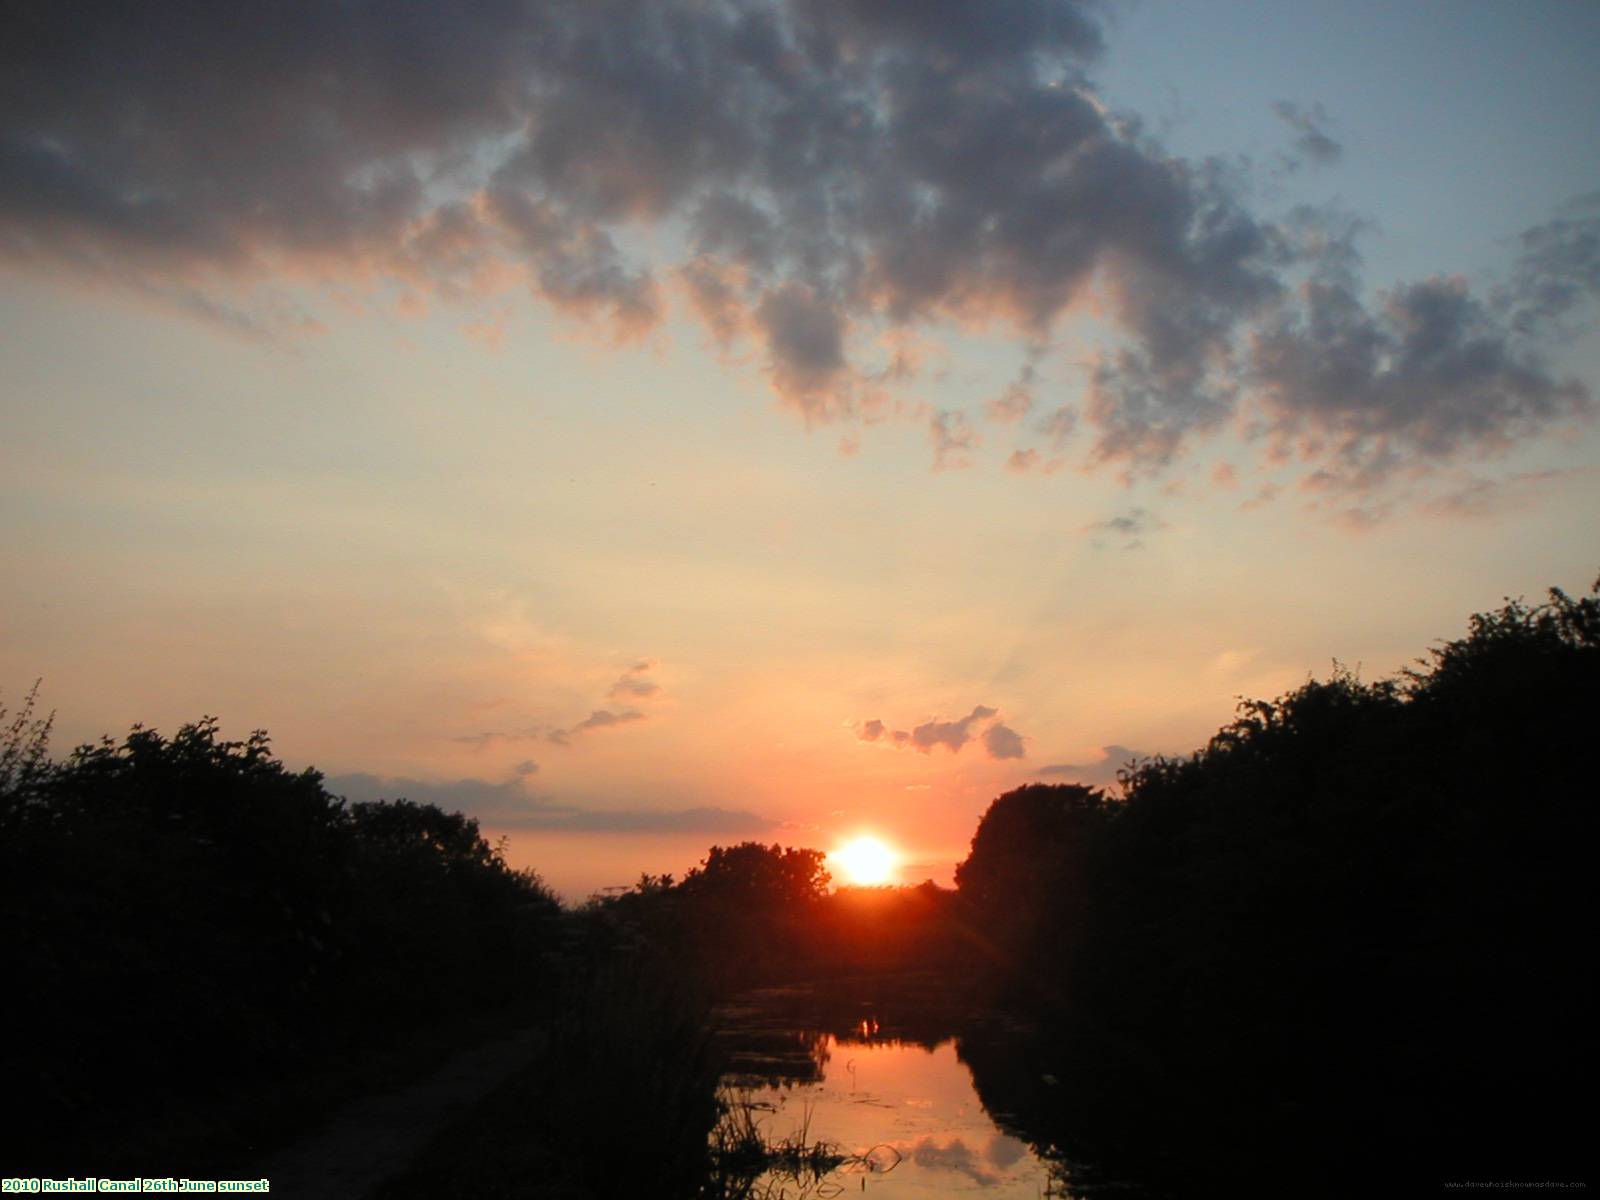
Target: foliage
191,914
1025,879
741,917
766,877
24,756
1354,914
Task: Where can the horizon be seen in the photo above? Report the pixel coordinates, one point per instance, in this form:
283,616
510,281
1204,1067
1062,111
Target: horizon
786,425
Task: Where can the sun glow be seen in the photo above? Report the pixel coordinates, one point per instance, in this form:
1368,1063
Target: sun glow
866,861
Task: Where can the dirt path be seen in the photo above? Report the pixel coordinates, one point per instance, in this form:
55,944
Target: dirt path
371,1139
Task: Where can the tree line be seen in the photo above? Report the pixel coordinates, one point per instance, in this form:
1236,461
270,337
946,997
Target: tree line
1355,919
1354,922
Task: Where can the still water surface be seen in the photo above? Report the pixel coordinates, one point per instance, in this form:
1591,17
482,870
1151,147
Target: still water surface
910,1117
877,1069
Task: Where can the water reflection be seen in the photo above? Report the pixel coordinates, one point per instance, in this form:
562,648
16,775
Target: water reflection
875,1069
909,1119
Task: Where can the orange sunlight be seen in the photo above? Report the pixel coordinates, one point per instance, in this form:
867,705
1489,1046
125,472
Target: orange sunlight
866,862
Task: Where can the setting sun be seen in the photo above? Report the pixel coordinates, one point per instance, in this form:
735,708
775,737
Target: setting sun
866,861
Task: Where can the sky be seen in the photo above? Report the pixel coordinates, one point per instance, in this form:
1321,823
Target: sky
651,426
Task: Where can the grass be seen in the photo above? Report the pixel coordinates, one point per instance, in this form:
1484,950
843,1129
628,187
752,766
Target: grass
745,1165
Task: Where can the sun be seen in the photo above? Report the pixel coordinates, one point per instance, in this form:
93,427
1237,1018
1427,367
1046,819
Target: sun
866,861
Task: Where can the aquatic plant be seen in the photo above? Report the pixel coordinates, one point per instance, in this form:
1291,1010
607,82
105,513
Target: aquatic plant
745,1165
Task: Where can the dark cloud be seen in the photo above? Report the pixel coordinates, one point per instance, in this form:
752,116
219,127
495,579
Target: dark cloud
476,797
1311,136
980,724
1097,774
575,263
508,805
1431,373
804,335
951,734
1001,741
1558,269
832,170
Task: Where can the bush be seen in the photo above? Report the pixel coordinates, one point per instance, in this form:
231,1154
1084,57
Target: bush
194,920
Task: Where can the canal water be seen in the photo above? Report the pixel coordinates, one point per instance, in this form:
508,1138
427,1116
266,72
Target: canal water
880,1071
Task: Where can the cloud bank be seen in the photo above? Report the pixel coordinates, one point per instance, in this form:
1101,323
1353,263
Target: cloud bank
1097,774
807,174
508,805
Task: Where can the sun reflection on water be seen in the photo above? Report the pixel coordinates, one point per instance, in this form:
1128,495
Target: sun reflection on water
907,1118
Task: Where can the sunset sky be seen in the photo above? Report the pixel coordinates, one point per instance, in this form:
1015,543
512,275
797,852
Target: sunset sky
645,426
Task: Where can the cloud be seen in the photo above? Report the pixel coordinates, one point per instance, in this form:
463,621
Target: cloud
508,805
1002,742
998,740
954,440
1263,496
1097,774
804,336
476,797
1477,498
1022,462
1058,426
1126,529
707,819
601,718
1557,270
1311,137
1430,375
951,734
953,1155
635,683
1004,1150
486,738
1015,402
831,172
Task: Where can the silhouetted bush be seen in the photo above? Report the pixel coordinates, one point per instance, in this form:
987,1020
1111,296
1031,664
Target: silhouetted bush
189,919
1025,883
1356,915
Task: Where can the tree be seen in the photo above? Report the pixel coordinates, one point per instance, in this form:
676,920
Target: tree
766,877
24,756
1026,877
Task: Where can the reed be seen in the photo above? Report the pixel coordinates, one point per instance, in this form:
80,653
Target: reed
746,1165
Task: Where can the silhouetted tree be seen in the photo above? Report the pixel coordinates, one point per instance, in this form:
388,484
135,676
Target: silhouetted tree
762,876
190,913
1026,879
24,757
1349,922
